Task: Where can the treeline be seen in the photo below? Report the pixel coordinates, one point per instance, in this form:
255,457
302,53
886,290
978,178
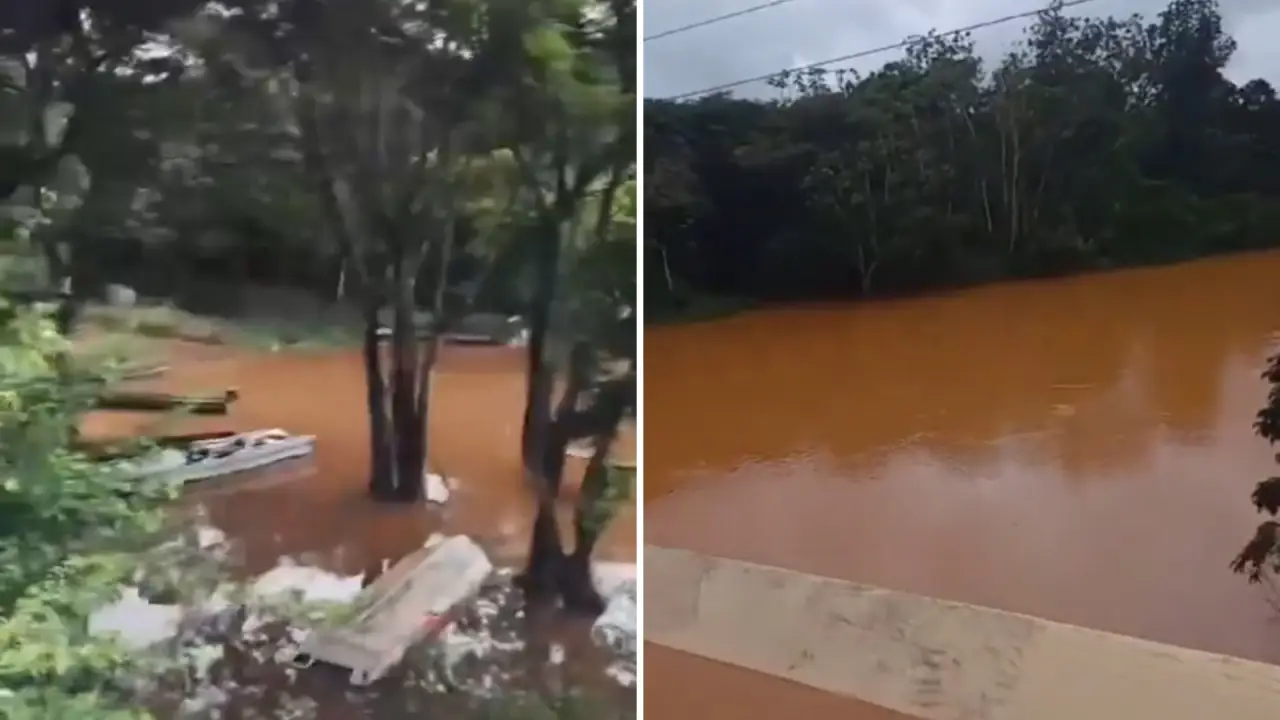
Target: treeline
1093,143
180,176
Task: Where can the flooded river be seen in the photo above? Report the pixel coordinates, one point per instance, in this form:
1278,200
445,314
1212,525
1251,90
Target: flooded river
1077,449
319,515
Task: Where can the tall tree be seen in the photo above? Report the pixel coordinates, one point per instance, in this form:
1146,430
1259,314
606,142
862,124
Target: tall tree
393,105
576,85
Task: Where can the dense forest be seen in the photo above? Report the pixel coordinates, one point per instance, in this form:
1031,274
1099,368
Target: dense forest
1095,142
171,158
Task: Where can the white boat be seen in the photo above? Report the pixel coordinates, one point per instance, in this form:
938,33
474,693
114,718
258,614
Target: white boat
205,459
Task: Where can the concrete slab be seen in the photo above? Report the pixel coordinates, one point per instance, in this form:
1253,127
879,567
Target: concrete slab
935,659
411,602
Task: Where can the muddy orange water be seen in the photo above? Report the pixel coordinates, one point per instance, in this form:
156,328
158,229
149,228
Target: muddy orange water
320,514
1076,449
685,686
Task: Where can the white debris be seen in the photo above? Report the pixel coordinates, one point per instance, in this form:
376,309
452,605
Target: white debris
437,488
616,627
610,578
455,646
121,296
310,583
209,537
139,624
207,698
623,672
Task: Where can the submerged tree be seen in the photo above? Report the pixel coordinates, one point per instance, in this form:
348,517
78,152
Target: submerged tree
579,85
393,108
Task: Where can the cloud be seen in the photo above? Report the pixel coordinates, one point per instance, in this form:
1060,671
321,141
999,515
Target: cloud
772,39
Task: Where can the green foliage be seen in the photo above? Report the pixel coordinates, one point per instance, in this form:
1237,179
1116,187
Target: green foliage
619,489
1261,556
64,522
1095,142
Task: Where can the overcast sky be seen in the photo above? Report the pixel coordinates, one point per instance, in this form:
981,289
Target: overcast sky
805,31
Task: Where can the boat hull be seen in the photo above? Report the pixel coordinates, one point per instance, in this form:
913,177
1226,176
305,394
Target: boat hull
172,465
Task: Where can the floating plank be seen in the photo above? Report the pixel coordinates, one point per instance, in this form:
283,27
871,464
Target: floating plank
142,372
412,602
143,401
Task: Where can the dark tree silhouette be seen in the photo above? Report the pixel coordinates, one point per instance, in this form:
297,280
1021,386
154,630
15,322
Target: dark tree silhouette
1262,553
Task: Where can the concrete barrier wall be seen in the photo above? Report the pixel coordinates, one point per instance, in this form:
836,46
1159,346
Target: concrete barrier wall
932,658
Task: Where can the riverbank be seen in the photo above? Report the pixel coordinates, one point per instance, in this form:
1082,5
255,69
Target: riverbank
99,322
694,307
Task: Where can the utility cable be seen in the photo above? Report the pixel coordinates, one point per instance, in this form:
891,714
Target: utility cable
716,19
876,51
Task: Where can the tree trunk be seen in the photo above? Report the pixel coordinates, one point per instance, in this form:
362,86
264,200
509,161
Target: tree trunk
549,573
537,414
381,479
589,520
429,353
408,433
539,580
542,577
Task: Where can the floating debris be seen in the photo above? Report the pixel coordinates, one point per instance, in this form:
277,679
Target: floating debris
437,488
616,626
216,457
412,602
137,623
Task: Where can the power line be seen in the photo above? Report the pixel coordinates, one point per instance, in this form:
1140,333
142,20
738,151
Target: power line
716,19
876,51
